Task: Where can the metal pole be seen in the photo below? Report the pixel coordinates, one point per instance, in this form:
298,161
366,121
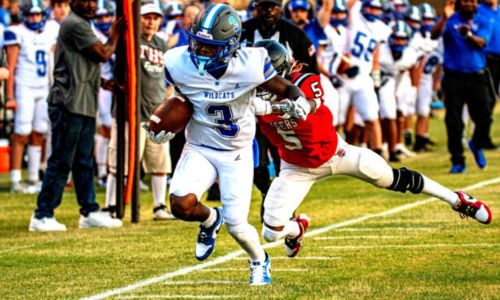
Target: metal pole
136,203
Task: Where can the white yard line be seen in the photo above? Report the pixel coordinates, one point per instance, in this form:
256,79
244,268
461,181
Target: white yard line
198,282
233,255
178,296
246,270
387,229
356,247
360,237
298,258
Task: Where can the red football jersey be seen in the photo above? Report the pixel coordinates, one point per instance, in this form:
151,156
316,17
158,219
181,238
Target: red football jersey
308,143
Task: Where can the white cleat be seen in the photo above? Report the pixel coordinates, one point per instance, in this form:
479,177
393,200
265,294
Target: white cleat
45,224
160,213
23,188
469,206
402,150
99,219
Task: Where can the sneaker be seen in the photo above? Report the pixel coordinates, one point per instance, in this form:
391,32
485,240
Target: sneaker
22,188
205,244
469,206
402,150
260,272
34,187
101,181
161,213
143,187
45,224
294,245
478,155
111,210
458,169
99,219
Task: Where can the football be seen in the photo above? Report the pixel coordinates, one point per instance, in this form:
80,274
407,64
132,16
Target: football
172,115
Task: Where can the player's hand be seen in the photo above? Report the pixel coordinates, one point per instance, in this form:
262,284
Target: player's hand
11,104
352,72
449,9
119,25
336,81
300,108
159,138
463,29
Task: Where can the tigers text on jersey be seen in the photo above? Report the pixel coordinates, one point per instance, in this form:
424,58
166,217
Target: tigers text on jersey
308,143
363,38
223,116
34,50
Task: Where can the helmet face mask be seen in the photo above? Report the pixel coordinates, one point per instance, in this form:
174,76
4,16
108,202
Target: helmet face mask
214,37
30,9
399,38
104,15
340,14
372,10
428,17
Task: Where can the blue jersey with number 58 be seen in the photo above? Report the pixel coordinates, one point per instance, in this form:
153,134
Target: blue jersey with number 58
34,53
223,116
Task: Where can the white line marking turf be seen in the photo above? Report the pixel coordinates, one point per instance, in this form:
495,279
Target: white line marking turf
197,282
378,229
178,296
418,246
246,270
298,258
360,237
233,255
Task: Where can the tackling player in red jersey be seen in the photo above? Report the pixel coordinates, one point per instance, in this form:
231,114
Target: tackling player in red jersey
311,150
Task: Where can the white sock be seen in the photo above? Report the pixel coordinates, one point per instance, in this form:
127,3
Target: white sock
292,229
211,219
15,176
437,190
111,191
34,161
101,154
247,237
159,187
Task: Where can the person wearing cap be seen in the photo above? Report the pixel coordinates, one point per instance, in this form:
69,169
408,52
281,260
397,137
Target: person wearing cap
154,156
270,24
465,34
72,110
491,10
300,14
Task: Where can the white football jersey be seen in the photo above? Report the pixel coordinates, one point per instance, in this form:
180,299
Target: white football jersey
223,116
34,53
362,39
391,67
107,67
335,44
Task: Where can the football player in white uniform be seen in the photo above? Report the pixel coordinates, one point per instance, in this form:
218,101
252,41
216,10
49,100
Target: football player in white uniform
104,17
366,32
219,79
396,59
28,46
433,57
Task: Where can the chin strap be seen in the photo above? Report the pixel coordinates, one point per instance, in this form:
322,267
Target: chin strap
201,67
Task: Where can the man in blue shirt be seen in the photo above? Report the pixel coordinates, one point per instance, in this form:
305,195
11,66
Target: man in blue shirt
465,34
491,11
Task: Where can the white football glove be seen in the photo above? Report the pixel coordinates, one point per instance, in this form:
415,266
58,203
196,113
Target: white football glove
300,108
159,138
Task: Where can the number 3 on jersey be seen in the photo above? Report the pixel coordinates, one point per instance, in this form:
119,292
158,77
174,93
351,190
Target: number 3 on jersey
41,63
227,127
363,45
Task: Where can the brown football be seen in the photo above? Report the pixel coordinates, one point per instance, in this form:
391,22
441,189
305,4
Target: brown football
172,115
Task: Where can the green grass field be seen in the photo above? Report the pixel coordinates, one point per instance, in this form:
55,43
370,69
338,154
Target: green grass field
363,243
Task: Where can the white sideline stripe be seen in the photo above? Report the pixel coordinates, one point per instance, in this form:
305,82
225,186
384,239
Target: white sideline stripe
232,255
298,258
367,237
411,246
178,296
387,229
204,282
246,270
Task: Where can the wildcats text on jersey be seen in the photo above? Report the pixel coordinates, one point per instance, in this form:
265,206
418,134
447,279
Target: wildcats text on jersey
218,95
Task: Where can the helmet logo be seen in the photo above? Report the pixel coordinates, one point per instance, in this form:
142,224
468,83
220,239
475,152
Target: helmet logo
205,35
232,21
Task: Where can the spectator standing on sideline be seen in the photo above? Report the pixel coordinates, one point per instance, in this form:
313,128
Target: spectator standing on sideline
491,10
72,110
153,91
60,9
465,34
